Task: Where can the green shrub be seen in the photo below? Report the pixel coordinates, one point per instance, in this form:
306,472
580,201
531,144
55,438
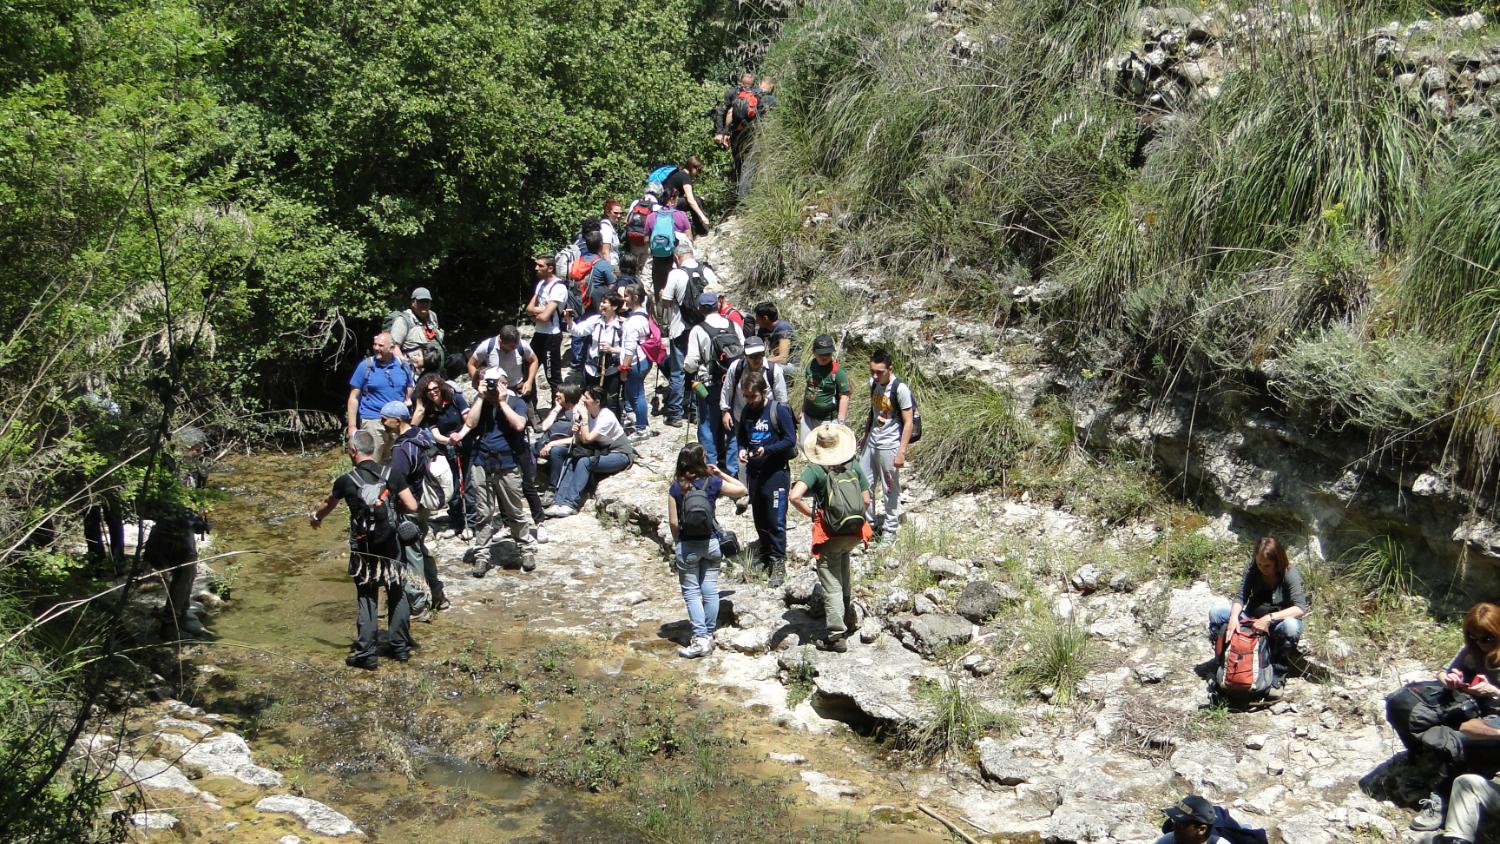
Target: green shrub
1193,556
1055,655
951,720
1382,569
1391,383
972,435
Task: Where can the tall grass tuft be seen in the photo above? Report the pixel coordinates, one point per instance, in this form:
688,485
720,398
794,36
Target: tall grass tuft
972,436
952,720
1055,656
1380,565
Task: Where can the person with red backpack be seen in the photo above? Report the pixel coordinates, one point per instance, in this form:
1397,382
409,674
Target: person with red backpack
740,118
637,235
1272,601
643,346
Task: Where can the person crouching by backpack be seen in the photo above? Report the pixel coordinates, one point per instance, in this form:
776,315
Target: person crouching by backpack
826,396
412,449
713,344
766,438
1272,598
1194,820
692,499
498,422
888,432
841,493
374,555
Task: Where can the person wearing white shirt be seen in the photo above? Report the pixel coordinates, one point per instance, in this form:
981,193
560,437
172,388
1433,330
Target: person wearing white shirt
669,315
701,362
603,335
546,309
633,360
600,448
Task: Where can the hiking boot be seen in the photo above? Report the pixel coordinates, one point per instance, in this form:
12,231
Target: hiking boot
367,663
741,506
698,648
1433,811
834,644
425,616
778,573
672,423
1275,693
480,569
528,562
444,604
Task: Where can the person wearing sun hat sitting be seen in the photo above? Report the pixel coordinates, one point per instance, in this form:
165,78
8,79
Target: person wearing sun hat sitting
840,494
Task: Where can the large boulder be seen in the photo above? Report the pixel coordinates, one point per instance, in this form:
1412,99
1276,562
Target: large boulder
868,685
979,600
926,633
317,817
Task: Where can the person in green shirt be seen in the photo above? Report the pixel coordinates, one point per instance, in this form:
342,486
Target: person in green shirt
827,395
838,522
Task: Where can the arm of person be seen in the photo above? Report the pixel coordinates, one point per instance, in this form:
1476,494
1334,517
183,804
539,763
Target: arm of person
726,392
900,459
353,409
316,517
784,444
692,360
408,501
533,307
517,421
583,327
692,201
672,518
730,486
473,365
778,385
471,419
797,499
783,352
536,361
417,412
1479,728
584,434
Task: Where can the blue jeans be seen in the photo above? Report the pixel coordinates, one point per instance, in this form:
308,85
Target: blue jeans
676,351
711,435
698,575
1284,634
557,461
768,506
635,392
582,472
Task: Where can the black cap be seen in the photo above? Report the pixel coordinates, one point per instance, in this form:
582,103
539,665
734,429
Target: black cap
823,345
1192,808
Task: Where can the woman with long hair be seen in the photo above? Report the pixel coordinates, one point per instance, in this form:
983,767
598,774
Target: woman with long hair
1272,599
691,502
441,411
600,449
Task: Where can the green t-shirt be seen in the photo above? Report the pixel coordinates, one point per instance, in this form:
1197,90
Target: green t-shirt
815,478
824,386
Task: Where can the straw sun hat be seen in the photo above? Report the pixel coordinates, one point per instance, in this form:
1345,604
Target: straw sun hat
829,444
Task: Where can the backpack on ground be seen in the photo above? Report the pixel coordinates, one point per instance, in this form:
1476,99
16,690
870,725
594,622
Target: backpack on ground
636,232
894,394
373,521
692,312
696,519
664,233
843,501
724,348
1244,671
746,107
653,347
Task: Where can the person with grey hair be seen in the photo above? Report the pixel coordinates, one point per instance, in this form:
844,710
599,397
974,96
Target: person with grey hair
374,553
380,378
498,422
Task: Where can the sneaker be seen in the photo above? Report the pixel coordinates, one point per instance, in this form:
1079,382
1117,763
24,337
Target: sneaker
541,535
479,570
367,663
697,649
425,616
672,423
442,605
741,506
528,562
560,511
642,434
1431,816
1275,693
834,644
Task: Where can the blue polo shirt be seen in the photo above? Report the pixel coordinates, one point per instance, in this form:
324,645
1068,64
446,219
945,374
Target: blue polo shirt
379,383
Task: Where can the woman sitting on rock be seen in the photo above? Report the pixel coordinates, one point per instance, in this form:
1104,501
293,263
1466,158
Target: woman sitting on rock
600,449
1271,596
691,502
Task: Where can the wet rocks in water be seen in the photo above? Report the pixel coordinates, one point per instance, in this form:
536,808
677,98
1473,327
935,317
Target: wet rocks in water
828,787
317,817
926,633
156,774
224,755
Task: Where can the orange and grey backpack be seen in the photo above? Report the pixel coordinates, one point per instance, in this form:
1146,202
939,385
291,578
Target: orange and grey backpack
1245,671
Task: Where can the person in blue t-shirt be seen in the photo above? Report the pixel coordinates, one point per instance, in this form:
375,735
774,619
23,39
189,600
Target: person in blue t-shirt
380,378
695,535
766,437
498,423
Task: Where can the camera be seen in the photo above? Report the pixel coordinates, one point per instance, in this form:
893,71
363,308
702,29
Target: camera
490,385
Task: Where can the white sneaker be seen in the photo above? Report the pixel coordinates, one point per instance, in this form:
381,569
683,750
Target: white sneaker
700,647
541,535
560,511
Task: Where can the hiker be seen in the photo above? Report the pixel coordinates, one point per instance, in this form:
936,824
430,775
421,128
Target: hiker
766,437
377,379
685,283
609,231
1471,796
603,338
546,311
596,270
740,119
498,421
509,352
373,553
637,235
600,449
1194,820
171,548
776,332
723,111
441,411
680,184
633,361
713,344
826,396
752,367
557,432
411,450
630,270
1448,721
667,226
691,501
415,335
840,494
888,432
1272,598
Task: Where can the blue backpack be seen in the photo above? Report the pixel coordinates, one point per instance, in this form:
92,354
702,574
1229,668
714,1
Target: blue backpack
660,175
664,233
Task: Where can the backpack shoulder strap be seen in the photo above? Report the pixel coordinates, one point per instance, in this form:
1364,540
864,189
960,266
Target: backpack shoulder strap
369,365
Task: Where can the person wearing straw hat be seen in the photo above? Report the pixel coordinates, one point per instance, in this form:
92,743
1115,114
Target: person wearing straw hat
840,495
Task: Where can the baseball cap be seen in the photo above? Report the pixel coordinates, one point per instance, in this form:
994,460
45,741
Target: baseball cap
755,345
395,410
421,294
823,345
1191,808
709,299
495,373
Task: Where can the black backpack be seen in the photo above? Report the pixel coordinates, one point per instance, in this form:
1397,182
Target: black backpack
916,414
692,314
724,348
373,520
696,519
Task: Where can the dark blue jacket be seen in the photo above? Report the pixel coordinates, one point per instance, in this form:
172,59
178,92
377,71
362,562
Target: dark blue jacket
779,440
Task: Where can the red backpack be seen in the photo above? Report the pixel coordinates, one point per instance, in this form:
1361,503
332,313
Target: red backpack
579,271
636,233
1245,671
746,107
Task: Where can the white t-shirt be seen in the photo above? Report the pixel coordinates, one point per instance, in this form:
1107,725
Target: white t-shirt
516,364
611,239
600,333
605,427
885,432
673,291
636,328
555,290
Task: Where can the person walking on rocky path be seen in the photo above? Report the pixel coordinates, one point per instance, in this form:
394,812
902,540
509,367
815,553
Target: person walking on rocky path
752,367
777,333
888,432
686,276
840,495
691,502
171,549
679,185
498,422
713,345
546,312
377,380
633,362
766,437
600,449
416,338
412,449
825,398
667,228
609,231
374,552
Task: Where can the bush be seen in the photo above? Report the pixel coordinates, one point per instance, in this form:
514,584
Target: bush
972,435
951,720
1193,556
1055,655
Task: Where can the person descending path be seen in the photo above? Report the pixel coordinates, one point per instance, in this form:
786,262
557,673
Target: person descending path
498,421
713,344
691,502
777,333
667,228
826,395
377,380
638,227
413,448
684,285
678,184
888,432
546,312
841,494
766,437
373,553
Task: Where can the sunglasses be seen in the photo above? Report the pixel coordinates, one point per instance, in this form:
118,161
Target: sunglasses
1484,640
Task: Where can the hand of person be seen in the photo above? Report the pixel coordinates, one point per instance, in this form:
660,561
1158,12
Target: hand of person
1484,688
728,420
743,458
455,437
1263,624
1451,679
760,452
900,460
525,388
713,471
312,519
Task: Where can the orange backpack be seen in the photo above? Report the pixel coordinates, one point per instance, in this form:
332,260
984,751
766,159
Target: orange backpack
1244,663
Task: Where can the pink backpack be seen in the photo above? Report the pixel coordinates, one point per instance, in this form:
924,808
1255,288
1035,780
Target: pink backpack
652,345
